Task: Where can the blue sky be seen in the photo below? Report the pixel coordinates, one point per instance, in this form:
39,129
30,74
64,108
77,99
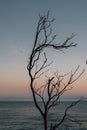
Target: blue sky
18,20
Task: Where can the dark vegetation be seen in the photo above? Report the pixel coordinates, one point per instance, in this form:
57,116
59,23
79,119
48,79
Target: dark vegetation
54,87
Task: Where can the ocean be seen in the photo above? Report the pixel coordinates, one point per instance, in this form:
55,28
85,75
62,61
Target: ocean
24,116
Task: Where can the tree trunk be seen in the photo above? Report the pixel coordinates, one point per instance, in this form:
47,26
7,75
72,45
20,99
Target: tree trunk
45,122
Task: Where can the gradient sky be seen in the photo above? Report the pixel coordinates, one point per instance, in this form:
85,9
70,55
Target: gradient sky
18,20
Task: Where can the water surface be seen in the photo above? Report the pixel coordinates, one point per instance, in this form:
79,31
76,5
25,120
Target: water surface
24,116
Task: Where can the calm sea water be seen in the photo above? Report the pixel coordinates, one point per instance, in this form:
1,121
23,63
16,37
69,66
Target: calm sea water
24,116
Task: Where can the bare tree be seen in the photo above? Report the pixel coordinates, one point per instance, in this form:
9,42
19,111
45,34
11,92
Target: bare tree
50,91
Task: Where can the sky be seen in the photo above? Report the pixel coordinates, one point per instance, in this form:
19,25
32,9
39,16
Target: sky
18,21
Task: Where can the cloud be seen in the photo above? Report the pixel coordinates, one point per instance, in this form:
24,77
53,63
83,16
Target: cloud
18,50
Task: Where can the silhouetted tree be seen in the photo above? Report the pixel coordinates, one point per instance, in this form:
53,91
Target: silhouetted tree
50,92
